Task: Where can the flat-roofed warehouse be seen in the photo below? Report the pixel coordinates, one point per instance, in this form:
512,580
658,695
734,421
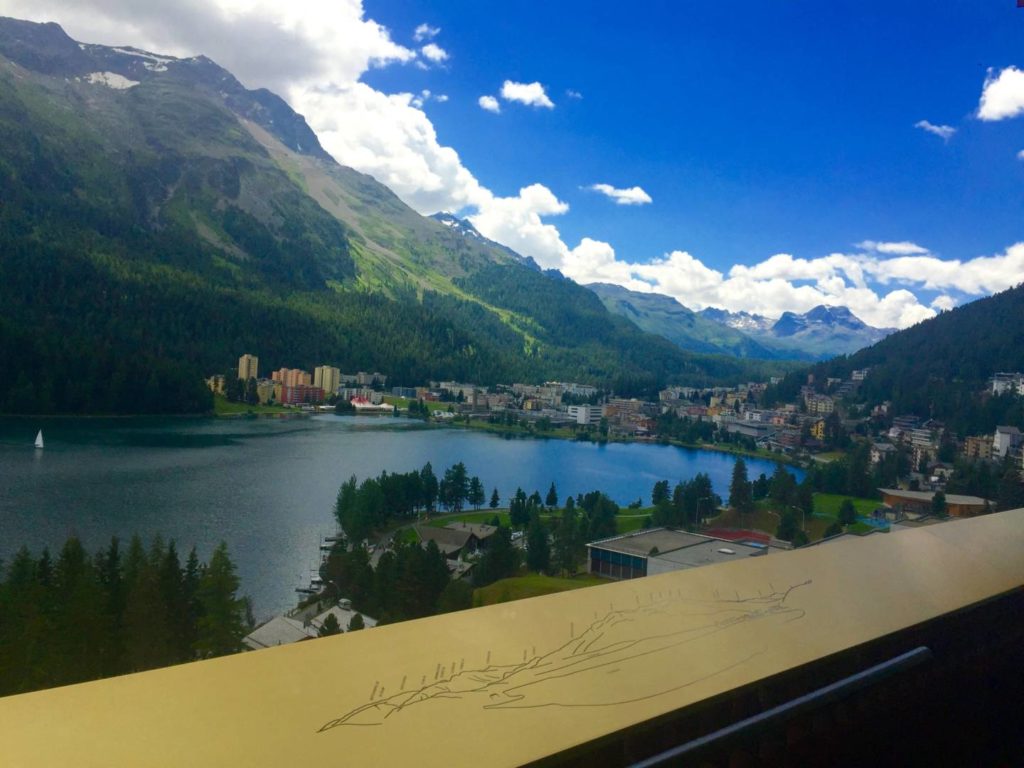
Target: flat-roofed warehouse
661,550
920,502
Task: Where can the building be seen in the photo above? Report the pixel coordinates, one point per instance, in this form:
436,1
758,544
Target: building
216,384
327,378
408,393
1005,440
456,539
977,447
920,503
818,429
291,377
248,367
1008,382
296,394
585,414
266,390
859,375
300,625
820,405
661,550
879,452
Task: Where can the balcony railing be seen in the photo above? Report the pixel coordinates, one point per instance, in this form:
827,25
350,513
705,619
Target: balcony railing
793,658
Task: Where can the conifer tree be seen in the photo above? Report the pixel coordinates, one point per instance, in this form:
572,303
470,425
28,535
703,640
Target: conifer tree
538,551
222,624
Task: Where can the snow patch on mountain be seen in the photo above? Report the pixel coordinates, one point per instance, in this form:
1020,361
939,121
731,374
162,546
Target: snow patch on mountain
111,80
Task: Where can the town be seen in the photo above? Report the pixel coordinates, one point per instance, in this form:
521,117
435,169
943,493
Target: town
912,453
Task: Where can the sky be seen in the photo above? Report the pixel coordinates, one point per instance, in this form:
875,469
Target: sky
752,156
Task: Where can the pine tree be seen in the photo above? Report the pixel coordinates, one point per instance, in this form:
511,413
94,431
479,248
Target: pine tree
495,499
356,623
330,626
740,493
552,497
222,625
566,540
538,551
476,492
847,512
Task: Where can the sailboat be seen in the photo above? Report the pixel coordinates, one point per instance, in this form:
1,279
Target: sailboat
39,439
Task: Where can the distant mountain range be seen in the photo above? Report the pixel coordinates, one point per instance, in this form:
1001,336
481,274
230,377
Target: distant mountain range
158,219
819,334
685,328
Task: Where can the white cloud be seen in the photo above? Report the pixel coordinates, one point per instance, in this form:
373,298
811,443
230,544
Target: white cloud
902,248
425,32
434,53
1002,96
630,196
425,96
531,94
944,132
516,222
569,92
943,303
1020,155
489,103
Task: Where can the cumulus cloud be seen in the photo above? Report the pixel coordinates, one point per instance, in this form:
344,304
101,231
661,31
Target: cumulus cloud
434,53
570,93
944,132
630,196
1020,155
425,32
1002,95
531,94
489,103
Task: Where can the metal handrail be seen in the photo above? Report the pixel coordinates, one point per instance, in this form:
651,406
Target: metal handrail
809,701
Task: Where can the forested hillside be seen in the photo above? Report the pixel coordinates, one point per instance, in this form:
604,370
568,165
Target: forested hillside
940,367
158,219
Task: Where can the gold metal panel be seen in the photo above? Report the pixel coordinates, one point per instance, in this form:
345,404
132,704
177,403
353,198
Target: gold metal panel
511,683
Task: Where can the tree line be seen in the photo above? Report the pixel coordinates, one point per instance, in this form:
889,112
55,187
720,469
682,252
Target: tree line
362,508
124,609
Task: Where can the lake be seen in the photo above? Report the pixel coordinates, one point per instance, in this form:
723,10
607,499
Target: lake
267,486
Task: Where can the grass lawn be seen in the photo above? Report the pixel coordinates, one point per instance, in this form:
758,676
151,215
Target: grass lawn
531,585
762,519
829,456
222,407
828,504
482,516
626,523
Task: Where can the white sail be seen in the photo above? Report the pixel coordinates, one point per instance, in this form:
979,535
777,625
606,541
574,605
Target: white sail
39,439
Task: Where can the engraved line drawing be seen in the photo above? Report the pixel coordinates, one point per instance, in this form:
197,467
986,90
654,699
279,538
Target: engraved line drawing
607,645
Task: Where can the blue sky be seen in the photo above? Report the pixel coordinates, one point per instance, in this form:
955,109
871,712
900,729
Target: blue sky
756,127
794,153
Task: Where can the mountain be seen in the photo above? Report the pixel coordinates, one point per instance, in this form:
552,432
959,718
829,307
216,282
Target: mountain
819,334
741,321
940,367
158,219
465,228
685,328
